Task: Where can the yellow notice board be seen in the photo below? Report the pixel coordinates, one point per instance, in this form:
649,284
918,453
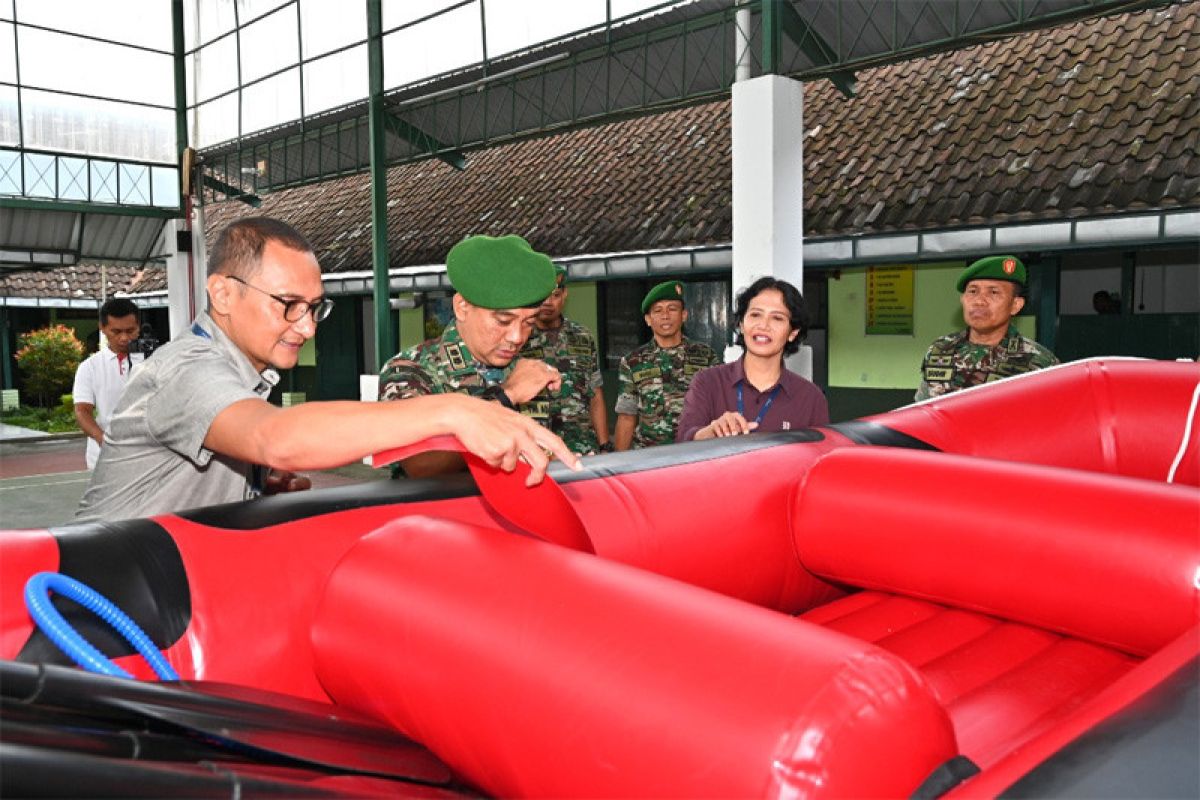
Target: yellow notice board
890,301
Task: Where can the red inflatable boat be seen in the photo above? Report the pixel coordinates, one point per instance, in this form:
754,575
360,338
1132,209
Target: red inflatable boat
995,592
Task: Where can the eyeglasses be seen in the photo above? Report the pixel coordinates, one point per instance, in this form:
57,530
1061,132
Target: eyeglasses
294,310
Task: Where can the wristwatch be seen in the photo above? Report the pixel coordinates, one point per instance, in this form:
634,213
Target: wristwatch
498,394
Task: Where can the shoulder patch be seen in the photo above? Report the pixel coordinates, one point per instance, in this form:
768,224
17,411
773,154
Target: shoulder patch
455,356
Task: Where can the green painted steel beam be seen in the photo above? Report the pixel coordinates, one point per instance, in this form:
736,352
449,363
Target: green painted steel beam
181,128
811,43
1048,307
67,207
423,141
5,350
771,35
231,192
385,326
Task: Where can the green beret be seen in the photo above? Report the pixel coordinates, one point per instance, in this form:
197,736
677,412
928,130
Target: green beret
500,272
560,274
670,290
995,268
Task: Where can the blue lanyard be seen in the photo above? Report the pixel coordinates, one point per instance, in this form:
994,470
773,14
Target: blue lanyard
196,329
762,412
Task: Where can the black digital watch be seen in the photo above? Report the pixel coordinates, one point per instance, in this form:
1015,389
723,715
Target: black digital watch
498,394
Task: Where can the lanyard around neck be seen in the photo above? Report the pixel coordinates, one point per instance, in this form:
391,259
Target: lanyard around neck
762,412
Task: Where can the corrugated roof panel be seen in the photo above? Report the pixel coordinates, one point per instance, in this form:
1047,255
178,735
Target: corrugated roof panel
47,238
25,229
121,238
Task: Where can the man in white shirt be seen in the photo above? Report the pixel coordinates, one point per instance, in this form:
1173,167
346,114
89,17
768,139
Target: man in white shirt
101,377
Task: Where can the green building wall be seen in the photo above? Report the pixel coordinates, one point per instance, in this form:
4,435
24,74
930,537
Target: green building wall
412,327
582,306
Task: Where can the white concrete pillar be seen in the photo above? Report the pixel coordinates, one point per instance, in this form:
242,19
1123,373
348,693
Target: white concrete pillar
768,179
768,187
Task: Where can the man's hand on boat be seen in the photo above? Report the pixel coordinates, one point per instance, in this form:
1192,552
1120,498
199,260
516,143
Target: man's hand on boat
502,438
325,434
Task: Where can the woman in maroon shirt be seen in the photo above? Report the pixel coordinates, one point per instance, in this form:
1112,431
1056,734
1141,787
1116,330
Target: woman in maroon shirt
757,392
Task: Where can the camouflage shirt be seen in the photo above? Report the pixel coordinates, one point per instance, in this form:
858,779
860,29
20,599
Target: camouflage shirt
654,381
953,362
571,349
444,366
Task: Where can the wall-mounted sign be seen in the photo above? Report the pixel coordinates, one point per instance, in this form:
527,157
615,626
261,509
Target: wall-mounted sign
890,301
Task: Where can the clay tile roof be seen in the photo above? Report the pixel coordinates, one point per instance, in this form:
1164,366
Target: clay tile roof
81,281
1092,118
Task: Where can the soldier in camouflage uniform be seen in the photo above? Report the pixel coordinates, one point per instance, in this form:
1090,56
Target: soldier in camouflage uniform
500,284
577,411
655,377
990,348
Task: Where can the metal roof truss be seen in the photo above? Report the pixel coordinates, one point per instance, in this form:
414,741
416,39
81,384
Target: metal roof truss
682,56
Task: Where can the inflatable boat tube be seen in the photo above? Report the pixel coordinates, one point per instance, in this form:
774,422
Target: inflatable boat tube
541,672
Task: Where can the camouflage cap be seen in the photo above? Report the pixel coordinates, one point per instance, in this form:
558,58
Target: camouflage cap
669,290
500,272
995,268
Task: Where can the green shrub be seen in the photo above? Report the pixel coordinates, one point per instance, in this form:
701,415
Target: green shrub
60,419
48,358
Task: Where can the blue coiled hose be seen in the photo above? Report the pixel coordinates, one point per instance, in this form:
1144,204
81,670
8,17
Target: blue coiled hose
79,649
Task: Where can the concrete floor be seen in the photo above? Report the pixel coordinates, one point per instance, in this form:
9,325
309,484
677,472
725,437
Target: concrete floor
42,479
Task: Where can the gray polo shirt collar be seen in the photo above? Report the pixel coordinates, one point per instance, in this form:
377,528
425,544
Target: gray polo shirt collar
261,383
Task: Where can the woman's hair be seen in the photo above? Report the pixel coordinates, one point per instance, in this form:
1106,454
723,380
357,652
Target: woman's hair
791,298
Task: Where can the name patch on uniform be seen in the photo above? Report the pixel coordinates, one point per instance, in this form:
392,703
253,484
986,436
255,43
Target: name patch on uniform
938,373
537,409
646,374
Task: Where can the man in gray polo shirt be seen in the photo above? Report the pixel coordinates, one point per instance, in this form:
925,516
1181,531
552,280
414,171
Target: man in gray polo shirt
193,427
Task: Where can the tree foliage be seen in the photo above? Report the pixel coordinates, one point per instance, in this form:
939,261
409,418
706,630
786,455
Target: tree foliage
48,358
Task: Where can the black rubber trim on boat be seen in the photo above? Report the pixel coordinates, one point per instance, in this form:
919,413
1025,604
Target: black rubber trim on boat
284,508
248,515
673,455
1147,749
135,564
202,721
945,778
872,433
